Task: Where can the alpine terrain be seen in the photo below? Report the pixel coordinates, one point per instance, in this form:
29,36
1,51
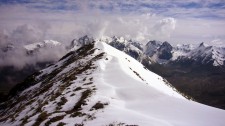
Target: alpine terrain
97,85
195,70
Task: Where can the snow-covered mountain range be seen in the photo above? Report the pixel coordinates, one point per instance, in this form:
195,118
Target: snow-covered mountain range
96,84
154,51
32,47
205,54
46,43
163,52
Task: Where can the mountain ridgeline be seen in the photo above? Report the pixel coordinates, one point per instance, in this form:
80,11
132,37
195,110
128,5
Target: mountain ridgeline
95,84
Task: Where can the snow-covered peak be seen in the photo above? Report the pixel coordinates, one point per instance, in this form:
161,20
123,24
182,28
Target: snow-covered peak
119,39
52,42
34,46
154,43
105,39
165,51
206,54
37,45
85,40
151,47
166,45
181,50
202,49
218,54
77,43
203,44
184,47
159,52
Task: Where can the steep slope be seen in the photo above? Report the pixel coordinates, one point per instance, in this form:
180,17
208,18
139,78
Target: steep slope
99,85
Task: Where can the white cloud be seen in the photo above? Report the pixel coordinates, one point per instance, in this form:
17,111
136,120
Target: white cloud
164,28
26,34
217,42
144,24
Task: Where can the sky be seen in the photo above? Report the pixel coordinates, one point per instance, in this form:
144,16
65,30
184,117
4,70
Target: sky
175,21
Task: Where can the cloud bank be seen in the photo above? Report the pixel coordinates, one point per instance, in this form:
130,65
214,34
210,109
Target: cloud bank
13,53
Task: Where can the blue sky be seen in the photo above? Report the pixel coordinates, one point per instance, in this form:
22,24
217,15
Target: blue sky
173,20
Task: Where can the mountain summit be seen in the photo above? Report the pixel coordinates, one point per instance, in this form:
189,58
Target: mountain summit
97,84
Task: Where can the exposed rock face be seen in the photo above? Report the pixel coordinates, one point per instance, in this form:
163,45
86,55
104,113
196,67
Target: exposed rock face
151,47
165,51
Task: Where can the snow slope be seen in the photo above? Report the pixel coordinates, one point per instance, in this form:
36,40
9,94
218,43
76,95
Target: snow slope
99,85
149,104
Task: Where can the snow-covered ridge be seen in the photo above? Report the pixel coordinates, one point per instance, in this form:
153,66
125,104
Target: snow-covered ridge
99,85
131,66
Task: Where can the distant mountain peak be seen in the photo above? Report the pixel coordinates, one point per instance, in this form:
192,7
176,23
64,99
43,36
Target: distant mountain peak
166,44
77,43
37,45
203,44
119,39
154,42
